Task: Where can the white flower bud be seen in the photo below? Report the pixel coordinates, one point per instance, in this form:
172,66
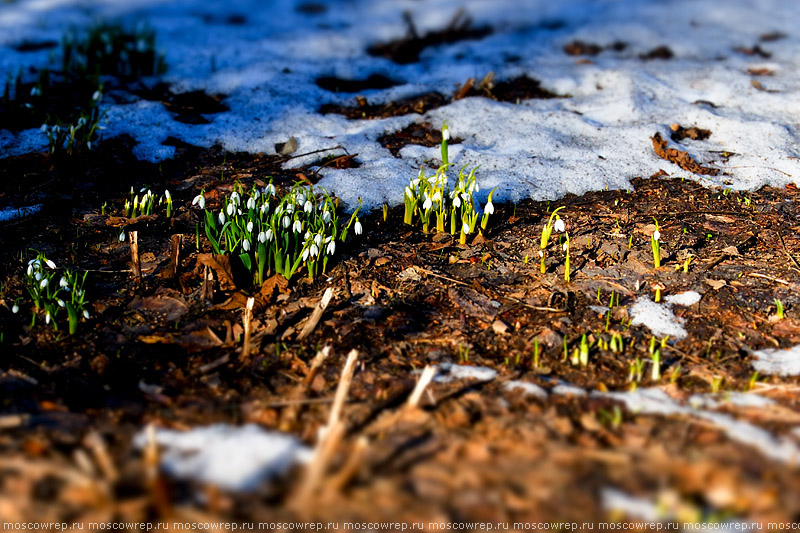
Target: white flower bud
489,210
358,229
559,226
657,235
465,228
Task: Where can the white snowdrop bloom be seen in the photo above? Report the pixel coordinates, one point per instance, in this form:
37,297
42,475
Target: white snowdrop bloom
262,237
221,217
30,270
15,309
264,208
86,314
89,145
286,221
60,302
251,203
306,237
63,283
269,234
456,201
465,196
38,276
415,183
199,200
36,91
300,199
657,235
318,239
235,197
541,253
246,245
358,229
290,209
141,46
270,189
489,209
47,318
305,254
230,209
167,194
238,211
427,205
331,248
297,227
256,194
314,250
565,246
56,129
437,197
308,206
446,134
326,216
50,263
559,226
97,96
465,228
43,129
409,192
81,122
250,227
122,237
43,283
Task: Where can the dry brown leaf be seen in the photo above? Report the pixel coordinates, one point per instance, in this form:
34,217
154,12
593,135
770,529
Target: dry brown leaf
680,158
221,265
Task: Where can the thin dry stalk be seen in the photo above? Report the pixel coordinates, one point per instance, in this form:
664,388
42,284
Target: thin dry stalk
343,388
424,380
290,414
351,467
208,287
317,314
136,265
248,316
175,254
99,450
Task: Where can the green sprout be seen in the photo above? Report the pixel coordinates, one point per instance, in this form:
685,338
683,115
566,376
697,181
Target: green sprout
655,244
566,260
778,308
556,223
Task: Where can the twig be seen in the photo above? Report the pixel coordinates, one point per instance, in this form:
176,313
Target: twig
786,250
175,254
764,276
136,266
248,316
316,315
424,380
343,388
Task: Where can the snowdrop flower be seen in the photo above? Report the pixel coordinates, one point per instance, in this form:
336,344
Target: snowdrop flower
28,105
262,237
81,122
358,229
56,129
97,96
167,194
36,91
47,318
308,206
301,199
269,234
489,210
657,235
313,250
50,263
15,309
559,226
331,248
43,283
235,197
89,145
269,189
38,276
305,254
427,205
326,216
318,239
286,221
250,227
445,134
465,196
290,208
409,192
297,227
565,246
221,217
60,302
239,212
122,237
199,200
251,203
437,197
264,208
465,228
43,129
306,237
63,283
230,209
246,245
457,201
86,314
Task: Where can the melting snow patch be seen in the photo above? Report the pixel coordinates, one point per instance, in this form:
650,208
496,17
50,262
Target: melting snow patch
565,389
659,318
10,213
773,361
656,401
530,389
233,458
735,399
449,372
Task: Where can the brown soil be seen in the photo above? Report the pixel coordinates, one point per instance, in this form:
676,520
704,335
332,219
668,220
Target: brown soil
423,134
339,85
155,352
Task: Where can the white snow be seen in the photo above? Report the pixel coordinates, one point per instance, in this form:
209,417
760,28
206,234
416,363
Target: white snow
656,402
450,372
10,213
529,389
233,458
658,317
597,138
773,361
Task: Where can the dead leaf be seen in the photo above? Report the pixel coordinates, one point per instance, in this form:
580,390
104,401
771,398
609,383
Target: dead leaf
272,286
680,158
287,148
716,284
221,265
166,307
